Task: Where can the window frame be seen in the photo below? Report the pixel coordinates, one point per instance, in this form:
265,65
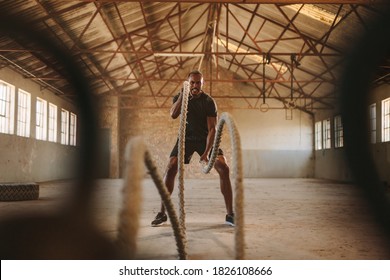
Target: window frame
64,127
73,129
7,108
41,119
52,123
326,134
385,126
338,132
318,136
372,122
23,122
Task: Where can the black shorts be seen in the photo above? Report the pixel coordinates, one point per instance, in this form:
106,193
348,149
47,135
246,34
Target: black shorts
190,148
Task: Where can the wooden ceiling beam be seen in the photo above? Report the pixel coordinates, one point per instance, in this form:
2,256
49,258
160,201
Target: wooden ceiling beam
362,2
73,39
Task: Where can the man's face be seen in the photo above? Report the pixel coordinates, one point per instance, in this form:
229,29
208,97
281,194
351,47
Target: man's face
196,84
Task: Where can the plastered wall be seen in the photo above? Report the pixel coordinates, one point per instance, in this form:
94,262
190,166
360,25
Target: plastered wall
332,164
380,150
272,145
27,159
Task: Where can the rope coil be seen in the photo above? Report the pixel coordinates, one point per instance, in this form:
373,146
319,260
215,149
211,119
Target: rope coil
237,167
237,175
136,152
181,151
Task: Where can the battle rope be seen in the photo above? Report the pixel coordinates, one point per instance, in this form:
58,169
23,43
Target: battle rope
181,150
237,175
237,168
136,152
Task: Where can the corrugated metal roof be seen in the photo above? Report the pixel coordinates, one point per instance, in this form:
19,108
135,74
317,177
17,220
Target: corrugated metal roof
123,45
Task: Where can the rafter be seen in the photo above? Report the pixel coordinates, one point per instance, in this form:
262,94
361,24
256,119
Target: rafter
56,20
122,51
364,2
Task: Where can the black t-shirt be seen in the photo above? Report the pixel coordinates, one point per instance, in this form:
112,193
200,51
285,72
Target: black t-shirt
197,112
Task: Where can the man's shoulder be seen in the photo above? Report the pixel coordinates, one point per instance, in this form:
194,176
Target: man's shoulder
176,97
209,102
206,96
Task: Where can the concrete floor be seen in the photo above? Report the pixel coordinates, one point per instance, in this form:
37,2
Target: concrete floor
285,219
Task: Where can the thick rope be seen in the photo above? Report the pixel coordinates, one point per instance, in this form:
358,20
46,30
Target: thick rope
181,150
237,168
131,201
136,152
237,174
166,198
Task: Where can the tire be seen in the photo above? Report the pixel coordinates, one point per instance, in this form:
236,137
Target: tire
19,191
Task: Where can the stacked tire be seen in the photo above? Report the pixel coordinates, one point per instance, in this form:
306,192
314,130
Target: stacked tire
19,191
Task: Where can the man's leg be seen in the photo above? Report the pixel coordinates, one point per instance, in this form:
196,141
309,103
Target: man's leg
169,177
169,180
226,187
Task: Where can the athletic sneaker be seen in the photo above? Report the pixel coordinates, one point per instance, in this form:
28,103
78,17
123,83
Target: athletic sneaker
160,219
229,220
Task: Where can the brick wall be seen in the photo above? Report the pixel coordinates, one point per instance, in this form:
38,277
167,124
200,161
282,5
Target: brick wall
159,131
108,114
272,145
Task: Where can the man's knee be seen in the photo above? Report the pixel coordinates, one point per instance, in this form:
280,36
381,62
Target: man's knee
172,166
221,166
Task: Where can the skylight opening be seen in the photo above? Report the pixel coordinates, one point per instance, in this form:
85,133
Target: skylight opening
258,58
316,13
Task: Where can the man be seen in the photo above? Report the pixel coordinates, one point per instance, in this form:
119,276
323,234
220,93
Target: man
200,133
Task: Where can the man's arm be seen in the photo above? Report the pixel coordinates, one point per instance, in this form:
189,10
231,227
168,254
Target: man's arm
211,124
176,107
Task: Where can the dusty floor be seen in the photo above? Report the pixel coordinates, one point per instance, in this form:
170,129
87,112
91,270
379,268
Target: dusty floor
299,219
